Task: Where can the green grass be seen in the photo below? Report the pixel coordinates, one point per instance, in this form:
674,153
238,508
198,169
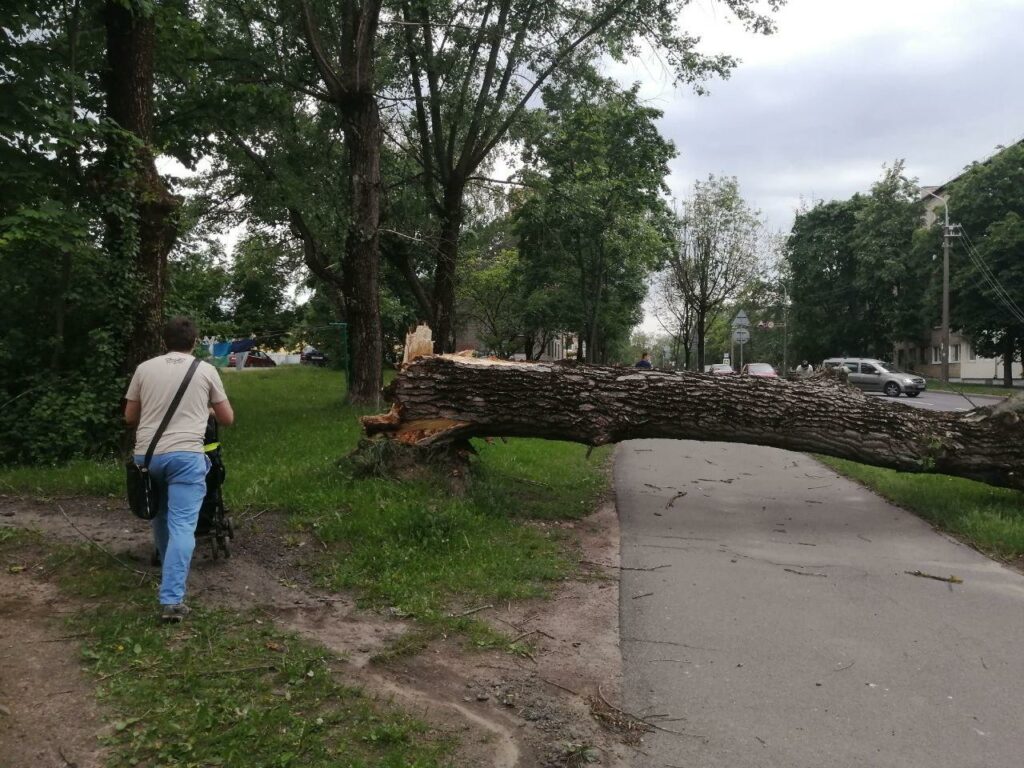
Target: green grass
989,518
936,385
408,544
224,688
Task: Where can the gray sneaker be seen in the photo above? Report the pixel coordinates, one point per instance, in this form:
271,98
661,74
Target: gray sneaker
173,614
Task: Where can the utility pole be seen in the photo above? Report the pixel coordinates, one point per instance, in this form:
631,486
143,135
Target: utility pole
785,329
947,235
945,299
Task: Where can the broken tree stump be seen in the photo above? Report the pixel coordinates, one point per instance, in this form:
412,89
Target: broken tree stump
441,399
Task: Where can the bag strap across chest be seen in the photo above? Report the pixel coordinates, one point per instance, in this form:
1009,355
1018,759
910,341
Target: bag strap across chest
170,411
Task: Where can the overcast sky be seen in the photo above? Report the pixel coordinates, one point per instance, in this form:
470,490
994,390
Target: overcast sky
845,86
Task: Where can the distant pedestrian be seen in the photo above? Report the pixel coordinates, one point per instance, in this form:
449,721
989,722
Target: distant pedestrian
804,370
242,348
644,361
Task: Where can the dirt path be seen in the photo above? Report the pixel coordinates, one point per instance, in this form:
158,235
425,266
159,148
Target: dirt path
507,712
48,713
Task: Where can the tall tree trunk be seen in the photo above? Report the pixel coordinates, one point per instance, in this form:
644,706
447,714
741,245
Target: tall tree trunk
353,90
147,234
72,160
701,333
60,312
444,269
1008,361
361,266
528,345
441,400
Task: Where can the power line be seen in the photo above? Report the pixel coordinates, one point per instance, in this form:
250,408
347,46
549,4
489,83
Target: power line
1001,294
980,262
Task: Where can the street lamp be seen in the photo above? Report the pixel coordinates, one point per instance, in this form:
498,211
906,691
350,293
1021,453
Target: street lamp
945,289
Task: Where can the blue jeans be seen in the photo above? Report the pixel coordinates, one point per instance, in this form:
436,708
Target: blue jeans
179,478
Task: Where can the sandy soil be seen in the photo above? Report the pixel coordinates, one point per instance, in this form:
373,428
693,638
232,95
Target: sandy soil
48,714
507,711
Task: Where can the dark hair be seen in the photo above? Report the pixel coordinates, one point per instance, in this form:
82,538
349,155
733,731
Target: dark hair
180,334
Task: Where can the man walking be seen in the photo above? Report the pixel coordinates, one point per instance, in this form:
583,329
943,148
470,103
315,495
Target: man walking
644,361
804,370
178,466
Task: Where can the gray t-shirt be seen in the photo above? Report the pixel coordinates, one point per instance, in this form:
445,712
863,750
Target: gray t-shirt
154,385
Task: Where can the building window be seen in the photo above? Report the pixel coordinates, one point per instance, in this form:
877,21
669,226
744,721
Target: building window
955,353
936,354
970,352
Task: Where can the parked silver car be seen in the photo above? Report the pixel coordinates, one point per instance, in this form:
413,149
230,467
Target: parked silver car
877,376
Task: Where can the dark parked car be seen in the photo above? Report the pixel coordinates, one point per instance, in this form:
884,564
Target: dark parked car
313,356
256,359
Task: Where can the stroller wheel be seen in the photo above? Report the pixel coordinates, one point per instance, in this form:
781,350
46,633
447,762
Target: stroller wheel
224,547
230,528
213,548
154,559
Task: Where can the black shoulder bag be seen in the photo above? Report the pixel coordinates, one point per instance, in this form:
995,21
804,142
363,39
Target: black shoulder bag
141,498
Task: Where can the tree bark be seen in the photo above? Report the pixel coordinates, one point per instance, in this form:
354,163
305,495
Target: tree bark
150,233
444,269
702,331
1008,361
439,400
351,85
361,266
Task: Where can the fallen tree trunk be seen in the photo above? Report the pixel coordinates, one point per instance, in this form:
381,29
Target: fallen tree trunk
445,399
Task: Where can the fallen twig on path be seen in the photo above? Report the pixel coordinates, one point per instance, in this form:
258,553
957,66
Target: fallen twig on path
521,636
471,610
654,568
947,579
673,499
231,671
557,685
638,718
805,573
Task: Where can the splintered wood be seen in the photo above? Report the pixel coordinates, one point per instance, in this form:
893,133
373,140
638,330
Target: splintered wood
419,343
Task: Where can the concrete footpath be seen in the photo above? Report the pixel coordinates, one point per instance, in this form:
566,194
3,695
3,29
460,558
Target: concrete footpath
767,619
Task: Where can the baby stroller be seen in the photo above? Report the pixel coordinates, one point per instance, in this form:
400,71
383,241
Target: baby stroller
214,523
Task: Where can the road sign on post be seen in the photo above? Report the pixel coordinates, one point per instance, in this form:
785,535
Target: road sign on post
741,320
741,335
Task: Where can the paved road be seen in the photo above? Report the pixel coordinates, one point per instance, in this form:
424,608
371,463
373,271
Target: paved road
943,401
769,611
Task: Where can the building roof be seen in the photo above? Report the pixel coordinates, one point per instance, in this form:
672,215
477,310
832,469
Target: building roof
929,191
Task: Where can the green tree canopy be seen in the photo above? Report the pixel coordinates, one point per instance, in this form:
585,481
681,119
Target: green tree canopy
858,282
595,175
987,269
